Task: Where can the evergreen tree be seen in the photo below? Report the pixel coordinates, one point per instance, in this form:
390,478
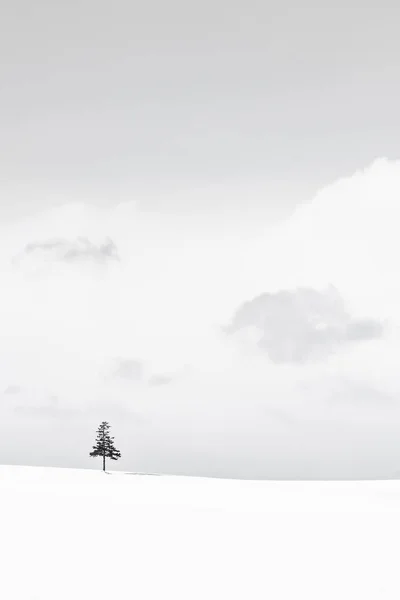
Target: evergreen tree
104,445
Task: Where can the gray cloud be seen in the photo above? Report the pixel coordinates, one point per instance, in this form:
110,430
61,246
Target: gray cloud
301,325
357,393
45,411
81,249
51,409
128,369
12,390
54,408
159,380
367,329
280,416
134,370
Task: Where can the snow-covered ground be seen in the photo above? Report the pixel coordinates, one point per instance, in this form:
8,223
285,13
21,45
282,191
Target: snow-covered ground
83,535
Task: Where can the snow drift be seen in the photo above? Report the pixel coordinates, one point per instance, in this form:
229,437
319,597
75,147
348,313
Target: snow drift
85,535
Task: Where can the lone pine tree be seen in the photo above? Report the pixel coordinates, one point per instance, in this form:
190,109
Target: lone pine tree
104,445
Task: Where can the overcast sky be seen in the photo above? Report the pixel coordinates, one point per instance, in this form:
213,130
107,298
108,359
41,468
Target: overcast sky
198,235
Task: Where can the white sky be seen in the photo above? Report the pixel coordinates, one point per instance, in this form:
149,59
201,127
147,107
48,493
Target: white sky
100,100
77,320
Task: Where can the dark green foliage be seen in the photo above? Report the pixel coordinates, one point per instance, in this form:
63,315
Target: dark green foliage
104,445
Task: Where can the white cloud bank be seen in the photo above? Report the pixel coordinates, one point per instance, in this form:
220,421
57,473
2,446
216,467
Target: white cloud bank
86,289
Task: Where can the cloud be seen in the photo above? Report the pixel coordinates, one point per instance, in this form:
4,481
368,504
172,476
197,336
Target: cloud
47,412
296,326
12,390
361,395
78,251
129,369
44,406
160,380
56,409
280,416
364,330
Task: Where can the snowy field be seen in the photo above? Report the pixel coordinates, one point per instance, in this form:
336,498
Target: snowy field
83,535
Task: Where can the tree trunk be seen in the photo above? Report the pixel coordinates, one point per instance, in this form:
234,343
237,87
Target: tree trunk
104,461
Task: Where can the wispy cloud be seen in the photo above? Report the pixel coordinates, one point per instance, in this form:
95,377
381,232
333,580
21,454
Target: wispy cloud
79,250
